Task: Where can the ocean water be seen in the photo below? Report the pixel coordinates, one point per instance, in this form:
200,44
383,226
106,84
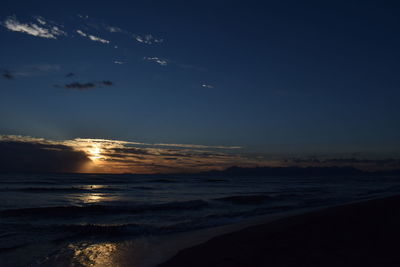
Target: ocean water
51,219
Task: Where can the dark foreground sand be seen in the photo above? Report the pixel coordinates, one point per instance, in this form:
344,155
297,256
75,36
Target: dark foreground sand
361,234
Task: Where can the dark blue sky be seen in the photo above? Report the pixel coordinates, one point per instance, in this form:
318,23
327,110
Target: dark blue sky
271,76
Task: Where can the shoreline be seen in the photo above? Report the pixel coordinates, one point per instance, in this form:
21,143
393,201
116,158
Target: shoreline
361,233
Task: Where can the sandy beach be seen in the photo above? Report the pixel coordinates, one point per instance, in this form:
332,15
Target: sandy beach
360,234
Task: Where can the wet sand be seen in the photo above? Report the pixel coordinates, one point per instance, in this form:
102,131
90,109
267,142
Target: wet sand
360,234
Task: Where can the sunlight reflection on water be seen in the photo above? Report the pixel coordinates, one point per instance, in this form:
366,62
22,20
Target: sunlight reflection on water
95,255
92,198
95,197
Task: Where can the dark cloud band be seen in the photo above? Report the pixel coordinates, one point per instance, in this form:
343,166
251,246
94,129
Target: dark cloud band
85,86
34,157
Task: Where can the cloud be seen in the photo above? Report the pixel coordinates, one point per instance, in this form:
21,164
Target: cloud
92,37
107,83
41,20
55,27
7,74
132,150
157,145
147,39
159,61
117,156
118,62
362,163
98,39
181,65
83,16
80,86
23,153
43,68
114,29
26,156
196,146
85,86
207,86
144,39
44,29
30,70
37,70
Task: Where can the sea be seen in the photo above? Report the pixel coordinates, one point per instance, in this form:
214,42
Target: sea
129,220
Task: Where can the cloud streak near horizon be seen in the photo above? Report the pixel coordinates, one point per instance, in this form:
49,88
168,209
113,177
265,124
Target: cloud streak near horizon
116,156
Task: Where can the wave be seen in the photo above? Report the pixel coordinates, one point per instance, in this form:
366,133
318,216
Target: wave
142,187
9,248
162,180
104,230
245,200
250,213
77,211
214,180
63,232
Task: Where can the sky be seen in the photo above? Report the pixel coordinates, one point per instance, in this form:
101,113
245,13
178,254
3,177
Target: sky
272,83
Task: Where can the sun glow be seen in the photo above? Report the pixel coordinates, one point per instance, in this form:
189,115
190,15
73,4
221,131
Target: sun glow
94,153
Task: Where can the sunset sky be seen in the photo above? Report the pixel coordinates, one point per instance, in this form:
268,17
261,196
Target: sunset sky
171,86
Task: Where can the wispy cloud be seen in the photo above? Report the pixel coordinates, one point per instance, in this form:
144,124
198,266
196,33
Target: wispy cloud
209,86
31,70
129,143
119,62
92,37
114,29
41,20
83,16
195,146
148,39
43,29
43,68
37,70
85,86
144,39
157,60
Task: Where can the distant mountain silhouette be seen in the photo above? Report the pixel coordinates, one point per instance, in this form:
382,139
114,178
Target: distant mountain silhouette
295,171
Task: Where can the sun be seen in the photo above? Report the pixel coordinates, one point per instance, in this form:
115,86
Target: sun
94,153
